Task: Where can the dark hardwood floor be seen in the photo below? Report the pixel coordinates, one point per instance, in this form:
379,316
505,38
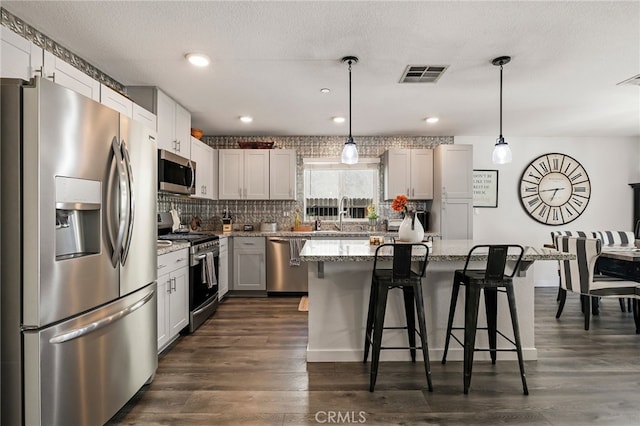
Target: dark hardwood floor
246,366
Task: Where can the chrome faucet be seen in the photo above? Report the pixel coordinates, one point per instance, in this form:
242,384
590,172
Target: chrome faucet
342,211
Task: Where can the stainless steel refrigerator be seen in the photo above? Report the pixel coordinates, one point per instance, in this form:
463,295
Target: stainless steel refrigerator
78,228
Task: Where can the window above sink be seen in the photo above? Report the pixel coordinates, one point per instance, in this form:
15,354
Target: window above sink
327,181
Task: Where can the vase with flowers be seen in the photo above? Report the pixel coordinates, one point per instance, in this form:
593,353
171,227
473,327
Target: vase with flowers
411,230
372,215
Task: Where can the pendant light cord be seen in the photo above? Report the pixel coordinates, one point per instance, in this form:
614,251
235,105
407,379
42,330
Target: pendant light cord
500,101
349,62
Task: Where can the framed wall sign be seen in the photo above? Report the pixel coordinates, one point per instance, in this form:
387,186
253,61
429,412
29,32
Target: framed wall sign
485,188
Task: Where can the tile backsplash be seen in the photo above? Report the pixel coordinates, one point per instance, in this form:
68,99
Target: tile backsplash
255,211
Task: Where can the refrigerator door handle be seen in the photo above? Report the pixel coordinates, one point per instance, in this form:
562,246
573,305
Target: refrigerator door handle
97,325
130,204
123,207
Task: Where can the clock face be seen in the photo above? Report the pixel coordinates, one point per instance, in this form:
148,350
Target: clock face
555,189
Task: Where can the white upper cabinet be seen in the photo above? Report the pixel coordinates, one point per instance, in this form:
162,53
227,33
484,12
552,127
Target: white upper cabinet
126,106
454,171
243,174
115,100
206,159
19,58
174,126
231,174
256,174
409,172
143,116
282,174
65,74
421,174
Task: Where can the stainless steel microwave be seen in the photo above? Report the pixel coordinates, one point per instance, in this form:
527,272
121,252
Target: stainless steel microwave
175,173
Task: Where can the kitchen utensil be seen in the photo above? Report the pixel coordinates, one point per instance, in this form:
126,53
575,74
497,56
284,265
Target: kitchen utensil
175,219
268,227
195,223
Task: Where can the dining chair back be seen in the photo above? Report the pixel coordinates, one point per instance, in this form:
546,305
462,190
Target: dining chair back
578,275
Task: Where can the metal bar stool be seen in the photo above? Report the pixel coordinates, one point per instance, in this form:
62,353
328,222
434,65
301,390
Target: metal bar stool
401,276
490,280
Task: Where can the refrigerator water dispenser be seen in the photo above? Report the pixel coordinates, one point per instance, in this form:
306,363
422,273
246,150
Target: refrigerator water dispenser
78,203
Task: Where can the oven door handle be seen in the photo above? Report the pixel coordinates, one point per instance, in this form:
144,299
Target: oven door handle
202,256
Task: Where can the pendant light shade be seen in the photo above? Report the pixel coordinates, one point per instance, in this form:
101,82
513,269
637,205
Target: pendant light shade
501,150
350,151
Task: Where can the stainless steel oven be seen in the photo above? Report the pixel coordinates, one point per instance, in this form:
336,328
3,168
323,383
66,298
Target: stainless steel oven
203,291
176,174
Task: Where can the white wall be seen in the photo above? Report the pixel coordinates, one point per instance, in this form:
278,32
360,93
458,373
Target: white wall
612,163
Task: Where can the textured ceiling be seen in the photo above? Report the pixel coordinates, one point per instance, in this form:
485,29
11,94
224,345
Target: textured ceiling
270,60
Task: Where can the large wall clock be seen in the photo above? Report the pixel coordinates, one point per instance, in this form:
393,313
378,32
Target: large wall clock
555,189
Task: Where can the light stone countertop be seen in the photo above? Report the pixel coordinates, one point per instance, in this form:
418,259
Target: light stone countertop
316,234
440,251
175,246
290,234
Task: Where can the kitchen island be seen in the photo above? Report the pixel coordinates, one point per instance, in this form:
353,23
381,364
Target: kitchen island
339,285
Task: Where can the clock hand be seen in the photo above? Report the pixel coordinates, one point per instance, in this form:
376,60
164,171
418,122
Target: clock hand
552,189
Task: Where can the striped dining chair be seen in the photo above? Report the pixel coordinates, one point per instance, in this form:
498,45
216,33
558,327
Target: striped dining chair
561,292
578,276
616,238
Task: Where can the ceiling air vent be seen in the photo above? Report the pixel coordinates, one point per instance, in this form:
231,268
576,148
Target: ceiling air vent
422,73
633,81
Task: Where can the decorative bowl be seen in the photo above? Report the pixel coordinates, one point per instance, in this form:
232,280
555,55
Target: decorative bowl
255,145
196,133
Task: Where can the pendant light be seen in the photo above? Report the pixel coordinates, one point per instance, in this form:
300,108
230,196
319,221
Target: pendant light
350,151
501,150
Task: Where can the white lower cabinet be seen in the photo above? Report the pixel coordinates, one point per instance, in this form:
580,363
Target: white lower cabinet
223,268
249,264
173,295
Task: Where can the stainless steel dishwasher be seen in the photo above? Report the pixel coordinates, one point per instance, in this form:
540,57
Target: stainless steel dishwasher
281,277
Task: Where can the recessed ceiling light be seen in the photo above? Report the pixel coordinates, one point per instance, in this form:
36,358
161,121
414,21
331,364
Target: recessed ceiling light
198,59
432,120
246,119
325,90
339,119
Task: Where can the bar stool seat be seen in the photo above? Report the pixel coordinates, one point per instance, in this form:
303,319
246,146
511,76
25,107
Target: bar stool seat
492,280
402,277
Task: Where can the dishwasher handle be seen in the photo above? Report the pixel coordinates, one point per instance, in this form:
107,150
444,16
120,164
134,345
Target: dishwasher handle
281,240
